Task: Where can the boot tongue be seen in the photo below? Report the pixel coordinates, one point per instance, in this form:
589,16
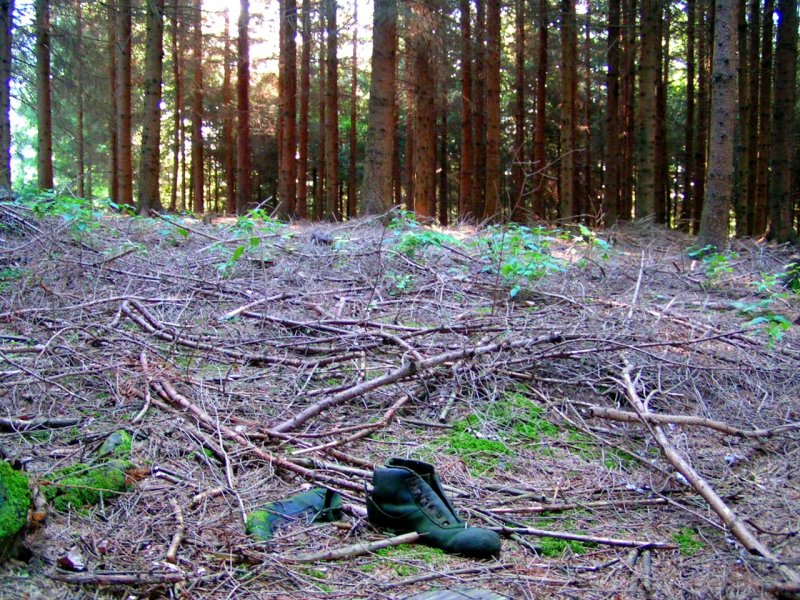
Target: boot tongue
420,468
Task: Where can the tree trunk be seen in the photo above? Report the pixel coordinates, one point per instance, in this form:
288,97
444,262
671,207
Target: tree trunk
479,117
287,170
305,91
714,224
646,127
6,28
742,137
319,189
781,202
425,111
539,151
80,130
177,120
381,122
611,197
628,114
465,167
518,208
702,113
244,184
352,206
198,170
44,113
689,134
764,124
444,204
752,126
113,133
124,110
661,154
150,158
332,113
492,202
229,149
569,76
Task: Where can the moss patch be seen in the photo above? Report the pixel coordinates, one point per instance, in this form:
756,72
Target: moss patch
688,541
118,444
15,499
85,485
400,557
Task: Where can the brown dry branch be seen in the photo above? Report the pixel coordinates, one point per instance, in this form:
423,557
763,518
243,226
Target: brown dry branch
354,550
177,537
577,537
118,578
737,526
614,414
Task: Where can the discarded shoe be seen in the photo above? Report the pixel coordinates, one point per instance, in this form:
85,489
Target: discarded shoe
316,505
408,496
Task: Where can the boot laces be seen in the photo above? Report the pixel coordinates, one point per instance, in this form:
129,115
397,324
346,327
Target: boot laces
426,502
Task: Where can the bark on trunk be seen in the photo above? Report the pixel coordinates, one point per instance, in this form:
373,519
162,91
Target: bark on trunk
305,91
352,207
229,149
124,110
381,123
198,170
80,130
150,158
113,132
752,127
332,209
646,128
781,202
492,204
44,113
764,123
702,114
539,156
741,164
287,169
479,113
611,198
243,181
6,27
569,73
425,113
518,208
689,172
714,224
177,115
465,167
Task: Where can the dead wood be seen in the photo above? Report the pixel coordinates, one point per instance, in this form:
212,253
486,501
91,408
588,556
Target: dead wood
577,537
614,414
354,550
737,526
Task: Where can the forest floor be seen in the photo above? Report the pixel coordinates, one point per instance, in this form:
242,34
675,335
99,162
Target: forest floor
250,360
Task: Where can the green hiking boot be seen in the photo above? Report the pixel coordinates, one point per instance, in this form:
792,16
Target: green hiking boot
316,505
408,496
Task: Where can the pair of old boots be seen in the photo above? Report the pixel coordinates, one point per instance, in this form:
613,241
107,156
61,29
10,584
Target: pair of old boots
408,496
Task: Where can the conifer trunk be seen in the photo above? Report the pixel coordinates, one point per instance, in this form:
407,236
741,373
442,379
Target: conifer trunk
243,181
44,113
6,27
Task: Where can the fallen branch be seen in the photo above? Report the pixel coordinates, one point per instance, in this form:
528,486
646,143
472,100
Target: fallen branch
19,425
614,414
118,578
577,537
164,389
177,537
359,549
731,520
409,368
629,503
457,573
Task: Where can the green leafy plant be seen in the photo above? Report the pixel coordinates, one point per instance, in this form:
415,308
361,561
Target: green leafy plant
226,268
587,236
8,275
717,263
399,283
414,240
521,255
81,214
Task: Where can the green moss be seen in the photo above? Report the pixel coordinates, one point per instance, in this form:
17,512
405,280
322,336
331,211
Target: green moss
402,555
555,547
85,485
688,541
15,499
118,444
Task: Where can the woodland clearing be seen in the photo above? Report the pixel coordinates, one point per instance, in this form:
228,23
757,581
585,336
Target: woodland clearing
250,359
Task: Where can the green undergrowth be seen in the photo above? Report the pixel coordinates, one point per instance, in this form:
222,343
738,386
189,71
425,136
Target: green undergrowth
689,543
399,558
486,439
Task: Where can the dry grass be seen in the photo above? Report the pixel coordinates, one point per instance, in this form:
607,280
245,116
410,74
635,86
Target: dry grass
517,437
